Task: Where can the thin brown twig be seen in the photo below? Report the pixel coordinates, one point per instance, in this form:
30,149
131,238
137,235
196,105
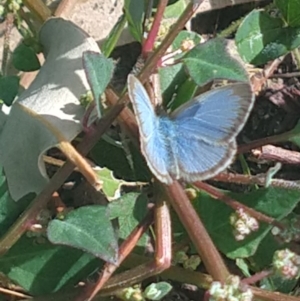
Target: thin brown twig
14,293
39,9
275,153
236,205
65,7
259,179
5,56
286,75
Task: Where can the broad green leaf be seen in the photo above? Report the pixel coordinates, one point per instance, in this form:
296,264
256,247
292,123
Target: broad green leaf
173,76
9,209
264,255
185,93
130,209
275,202
24,58
129,165
211,60
175,9
42,268
262,38
9,86
86,228
278,284
290,11
99,71
134,12
156,291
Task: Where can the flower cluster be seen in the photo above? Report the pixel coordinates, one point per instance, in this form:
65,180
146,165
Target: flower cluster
243,224
286,263
230,291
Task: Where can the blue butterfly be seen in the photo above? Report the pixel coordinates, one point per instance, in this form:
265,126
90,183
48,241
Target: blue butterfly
197,140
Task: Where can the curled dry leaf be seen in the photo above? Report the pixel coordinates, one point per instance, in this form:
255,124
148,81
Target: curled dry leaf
49,110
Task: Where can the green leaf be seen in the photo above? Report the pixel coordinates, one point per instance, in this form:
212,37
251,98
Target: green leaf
274,202
294,134
25,59
130,209
175,9
99,71
156,291
87,228
134,12
185,93
9,209
117,160
111,40
213,60
172,77
290,11
261,38
42,268
9,86
278,284
111,186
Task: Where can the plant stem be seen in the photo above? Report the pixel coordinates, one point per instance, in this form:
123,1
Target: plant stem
257,179
151,63
41,200
205,247
267,140
149,43
297,57
8,27
38,9
236,205
125,249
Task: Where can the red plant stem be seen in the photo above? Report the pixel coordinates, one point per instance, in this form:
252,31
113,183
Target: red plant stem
235,204
197,232
259,179
150,40
151,63
163,253
257,277
267,140
127,246
278,154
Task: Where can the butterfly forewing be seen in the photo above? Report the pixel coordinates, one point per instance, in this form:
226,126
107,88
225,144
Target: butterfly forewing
158,157
216,116
142,107
153,145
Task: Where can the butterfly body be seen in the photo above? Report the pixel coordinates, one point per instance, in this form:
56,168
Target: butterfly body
197,140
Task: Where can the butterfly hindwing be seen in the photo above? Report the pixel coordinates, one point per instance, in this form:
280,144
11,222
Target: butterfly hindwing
198,160
216,116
